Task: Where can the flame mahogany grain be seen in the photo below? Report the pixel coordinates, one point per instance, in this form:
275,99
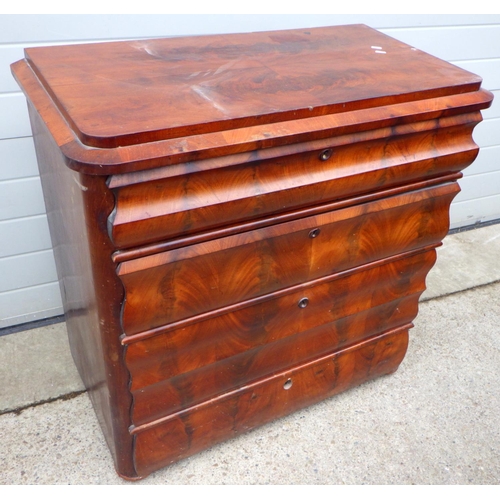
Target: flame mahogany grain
242,224
198,202
167,287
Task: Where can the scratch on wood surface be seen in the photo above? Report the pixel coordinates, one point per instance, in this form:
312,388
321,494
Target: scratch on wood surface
205,95
81,186
145,47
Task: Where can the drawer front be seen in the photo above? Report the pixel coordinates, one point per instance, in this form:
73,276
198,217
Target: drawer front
196,345
147,212
187,432
191,281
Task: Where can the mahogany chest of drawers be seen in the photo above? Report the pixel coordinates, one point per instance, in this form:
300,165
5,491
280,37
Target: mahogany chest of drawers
242,224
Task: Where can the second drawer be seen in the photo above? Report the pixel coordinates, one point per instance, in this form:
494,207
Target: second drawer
187,282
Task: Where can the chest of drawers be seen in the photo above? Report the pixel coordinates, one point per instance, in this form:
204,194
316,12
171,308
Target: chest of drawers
242,224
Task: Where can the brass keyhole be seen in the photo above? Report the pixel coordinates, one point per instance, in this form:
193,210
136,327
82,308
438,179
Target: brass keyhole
314,232
303,302
325,154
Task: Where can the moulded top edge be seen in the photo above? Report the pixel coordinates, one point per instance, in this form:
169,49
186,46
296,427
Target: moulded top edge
169,152
135,92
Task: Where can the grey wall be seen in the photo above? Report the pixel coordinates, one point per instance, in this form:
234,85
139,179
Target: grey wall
28,286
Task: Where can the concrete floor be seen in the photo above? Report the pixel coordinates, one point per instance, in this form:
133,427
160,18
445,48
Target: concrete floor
435,421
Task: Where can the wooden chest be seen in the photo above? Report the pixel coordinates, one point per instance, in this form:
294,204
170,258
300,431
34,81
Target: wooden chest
242,224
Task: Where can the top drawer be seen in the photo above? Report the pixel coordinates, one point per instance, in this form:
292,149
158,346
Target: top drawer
197,197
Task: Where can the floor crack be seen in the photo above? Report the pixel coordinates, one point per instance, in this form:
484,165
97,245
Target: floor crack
474,287
64,397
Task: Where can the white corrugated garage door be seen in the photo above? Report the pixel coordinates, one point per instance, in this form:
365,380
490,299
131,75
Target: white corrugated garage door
28,281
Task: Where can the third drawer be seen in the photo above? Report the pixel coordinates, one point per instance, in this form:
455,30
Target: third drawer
200,361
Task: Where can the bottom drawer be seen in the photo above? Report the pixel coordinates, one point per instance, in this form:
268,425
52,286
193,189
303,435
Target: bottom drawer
189,431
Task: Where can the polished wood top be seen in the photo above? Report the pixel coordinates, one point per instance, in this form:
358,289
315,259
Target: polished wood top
123,93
